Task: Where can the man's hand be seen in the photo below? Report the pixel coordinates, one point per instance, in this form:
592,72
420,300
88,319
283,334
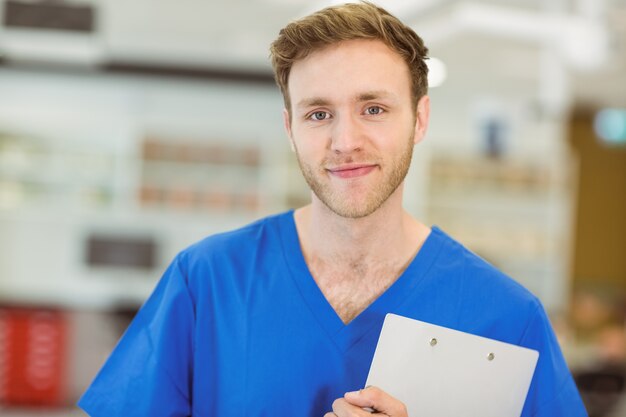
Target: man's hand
353,404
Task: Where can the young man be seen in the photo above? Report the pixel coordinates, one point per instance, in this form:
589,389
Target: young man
282,316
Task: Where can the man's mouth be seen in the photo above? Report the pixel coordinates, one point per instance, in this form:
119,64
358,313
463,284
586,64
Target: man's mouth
351,170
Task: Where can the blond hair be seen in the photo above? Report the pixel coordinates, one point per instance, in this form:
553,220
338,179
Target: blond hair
350,21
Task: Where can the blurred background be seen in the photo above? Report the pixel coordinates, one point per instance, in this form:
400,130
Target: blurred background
131,129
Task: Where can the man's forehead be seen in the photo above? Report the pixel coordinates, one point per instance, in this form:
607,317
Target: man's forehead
365,53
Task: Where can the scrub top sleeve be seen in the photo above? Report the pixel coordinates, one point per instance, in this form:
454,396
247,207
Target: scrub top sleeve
552,392
149,372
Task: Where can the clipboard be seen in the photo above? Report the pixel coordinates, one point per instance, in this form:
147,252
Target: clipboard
440,372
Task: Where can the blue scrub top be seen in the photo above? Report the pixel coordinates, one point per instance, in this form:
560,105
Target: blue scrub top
238,327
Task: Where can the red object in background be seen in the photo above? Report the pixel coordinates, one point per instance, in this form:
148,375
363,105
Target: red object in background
33,346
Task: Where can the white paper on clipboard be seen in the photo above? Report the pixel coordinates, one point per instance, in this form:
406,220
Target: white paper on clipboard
440,372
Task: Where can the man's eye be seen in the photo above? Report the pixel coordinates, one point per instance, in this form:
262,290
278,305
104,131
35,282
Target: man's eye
319,115
374,110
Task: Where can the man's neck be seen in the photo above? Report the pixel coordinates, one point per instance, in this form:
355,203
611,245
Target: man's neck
389,234
353,261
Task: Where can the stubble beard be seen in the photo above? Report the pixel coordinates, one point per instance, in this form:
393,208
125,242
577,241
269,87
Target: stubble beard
376,196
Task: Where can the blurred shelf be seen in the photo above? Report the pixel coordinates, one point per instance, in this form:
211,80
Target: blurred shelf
174,190
514,212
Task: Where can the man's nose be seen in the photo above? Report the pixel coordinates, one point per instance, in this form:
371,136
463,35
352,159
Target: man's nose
347,135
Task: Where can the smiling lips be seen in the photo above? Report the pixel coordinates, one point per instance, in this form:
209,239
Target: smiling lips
351,171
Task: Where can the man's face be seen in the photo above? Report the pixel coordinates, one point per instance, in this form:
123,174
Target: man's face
353,125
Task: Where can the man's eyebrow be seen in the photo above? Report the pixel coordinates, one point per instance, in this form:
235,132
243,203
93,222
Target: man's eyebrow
312,102
374,95
365,96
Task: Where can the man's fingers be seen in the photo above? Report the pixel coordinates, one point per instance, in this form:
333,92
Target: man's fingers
377,399
343,408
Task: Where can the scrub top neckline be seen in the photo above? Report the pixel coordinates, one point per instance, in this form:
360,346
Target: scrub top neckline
346,335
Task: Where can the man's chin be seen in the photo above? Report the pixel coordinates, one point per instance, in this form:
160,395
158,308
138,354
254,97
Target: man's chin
352,210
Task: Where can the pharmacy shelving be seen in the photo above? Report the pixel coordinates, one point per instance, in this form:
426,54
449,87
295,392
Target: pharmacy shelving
515,212
168,160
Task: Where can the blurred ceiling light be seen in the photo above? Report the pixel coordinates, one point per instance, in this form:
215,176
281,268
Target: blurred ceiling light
581,42
437,72
610,126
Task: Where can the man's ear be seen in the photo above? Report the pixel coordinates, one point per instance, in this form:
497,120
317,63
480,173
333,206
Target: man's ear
422,117
287,124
